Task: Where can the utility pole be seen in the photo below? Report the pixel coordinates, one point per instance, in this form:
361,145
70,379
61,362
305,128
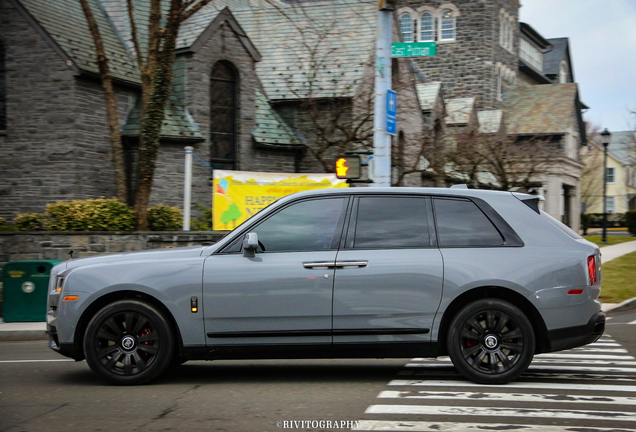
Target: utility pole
381,139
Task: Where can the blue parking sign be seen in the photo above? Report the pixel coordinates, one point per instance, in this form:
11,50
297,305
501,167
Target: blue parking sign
391,110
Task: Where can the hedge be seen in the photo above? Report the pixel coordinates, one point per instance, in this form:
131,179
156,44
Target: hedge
164,218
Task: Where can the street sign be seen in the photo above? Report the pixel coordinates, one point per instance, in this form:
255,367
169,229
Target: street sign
391,112
413,49
348,167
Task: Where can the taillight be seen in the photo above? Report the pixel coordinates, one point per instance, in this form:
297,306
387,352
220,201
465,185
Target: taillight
591,268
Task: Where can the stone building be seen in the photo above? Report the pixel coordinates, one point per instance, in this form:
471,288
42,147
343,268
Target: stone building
261,86
510,78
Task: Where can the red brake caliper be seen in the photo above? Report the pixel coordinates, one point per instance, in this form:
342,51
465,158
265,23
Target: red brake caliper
143,354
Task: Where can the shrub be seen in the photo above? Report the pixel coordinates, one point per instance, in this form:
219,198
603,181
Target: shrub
164,218
30,222
2,221
90,215
204,221
630,220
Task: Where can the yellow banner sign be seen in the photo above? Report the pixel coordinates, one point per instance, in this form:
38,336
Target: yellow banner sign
238,195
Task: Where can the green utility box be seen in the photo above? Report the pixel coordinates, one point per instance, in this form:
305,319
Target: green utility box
24,290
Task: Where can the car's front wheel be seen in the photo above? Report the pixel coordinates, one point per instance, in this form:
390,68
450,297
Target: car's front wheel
128,342
491,341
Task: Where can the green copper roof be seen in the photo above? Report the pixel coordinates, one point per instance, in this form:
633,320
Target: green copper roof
65,22
271,129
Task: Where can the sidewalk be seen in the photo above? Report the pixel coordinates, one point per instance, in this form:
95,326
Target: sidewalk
37,330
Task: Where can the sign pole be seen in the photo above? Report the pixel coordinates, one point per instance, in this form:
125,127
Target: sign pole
382,140
187,188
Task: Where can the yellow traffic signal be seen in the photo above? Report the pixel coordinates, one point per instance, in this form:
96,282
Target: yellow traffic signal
348,167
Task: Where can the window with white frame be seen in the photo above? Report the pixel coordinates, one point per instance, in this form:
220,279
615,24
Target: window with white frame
610,175
563,72
406,25
531,55
499,85
611,204
427,27
447,27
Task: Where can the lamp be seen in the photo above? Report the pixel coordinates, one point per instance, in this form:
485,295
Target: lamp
605,140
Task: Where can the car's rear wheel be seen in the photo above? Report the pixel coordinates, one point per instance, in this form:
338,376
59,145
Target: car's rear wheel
128,342
490,341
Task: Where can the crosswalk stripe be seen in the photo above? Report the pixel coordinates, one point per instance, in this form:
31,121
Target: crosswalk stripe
532,367
425,426
508,397
604,344
529,374
585,356
633,322
516,385
501,412
603,350
545,360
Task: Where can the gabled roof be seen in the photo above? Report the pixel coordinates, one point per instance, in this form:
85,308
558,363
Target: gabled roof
623,146
428,93
178,124
459,111
65,23
490,121
552,59
271,129
541,109
306,51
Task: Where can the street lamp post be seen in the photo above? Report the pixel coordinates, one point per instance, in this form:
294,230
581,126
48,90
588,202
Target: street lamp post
605,140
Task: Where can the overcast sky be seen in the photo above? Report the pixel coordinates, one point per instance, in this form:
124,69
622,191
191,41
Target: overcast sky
603,49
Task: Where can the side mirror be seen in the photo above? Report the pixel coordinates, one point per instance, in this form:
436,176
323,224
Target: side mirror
250,244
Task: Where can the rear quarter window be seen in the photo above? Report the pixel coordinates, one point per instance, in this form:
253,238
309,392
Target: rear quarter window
460,223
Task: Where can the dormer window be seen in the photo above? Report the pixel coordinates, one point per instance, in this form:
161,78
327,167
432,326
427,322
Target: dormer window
427,27
406,25
447,27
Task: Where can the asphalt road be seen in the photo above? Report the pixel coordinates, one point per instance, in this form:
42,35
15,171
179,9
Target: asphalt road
582,390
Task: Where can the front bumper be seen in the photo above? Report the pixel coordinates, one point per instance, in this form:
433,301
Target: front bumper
572,337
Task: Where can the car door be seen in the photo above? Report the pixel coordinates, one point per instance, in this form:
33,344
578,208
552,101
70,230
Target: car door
389,272
284,294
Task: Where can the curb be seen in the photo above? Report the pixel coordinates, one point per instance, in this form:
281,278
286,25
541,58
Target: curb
626,305
23,335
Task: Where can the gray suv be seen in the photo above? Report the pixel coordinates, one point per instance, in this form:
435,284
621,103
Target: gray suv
482,276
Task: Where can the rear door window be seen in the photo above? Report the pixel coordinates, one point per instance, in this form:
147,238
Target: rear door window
391,222
460,223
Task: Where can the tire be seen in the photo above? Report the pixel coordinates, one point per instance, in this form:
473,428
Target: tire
487,330
128,342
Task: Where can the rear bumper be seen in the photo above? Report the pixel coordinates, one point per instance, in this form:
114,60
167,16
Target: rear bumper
572,337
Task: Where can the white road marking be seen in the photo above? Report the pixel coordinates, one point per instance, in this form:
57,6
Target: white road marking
508,397
422,426
501,412
451,374
36,361
605,350
585,356
633,322
516,385
603,344
448,362
450,367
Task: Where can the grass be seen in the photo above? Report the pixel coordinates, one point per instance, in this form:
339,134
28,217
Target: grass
619,279
611,240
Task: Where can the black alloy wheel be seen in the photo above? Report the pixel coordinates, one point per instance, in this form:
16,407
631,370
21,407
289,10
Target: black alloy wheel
491,341
128,342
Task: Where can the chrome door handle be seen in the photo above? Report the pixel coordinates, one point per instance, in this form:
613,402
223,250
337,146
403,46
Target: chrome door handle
351,263
319,264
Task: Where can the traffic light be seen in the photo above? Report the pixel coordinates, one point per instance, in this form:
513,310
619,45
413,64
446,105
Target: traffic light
348,167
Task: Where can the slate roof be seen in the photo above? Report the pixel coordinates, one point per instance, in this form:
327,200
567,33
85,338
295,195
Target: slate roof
65,22
177,124
540,109
490,121
552,59
305,51
459,110
427,94
271,129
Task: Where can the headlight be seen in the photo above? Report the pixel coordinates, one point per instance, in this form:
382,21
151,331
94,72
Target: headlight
59,283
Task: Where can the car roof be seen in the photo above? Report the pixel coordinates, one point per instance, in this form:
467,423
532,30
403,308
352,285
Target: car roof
460,192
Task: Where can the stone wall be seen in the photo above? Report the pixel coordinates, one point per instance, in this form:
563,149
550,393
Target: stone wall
20,246
467,66
55,146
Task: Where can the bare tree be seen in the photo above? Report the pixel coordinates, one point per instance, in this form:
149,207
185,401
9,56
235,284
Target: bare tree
592,173
155,68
